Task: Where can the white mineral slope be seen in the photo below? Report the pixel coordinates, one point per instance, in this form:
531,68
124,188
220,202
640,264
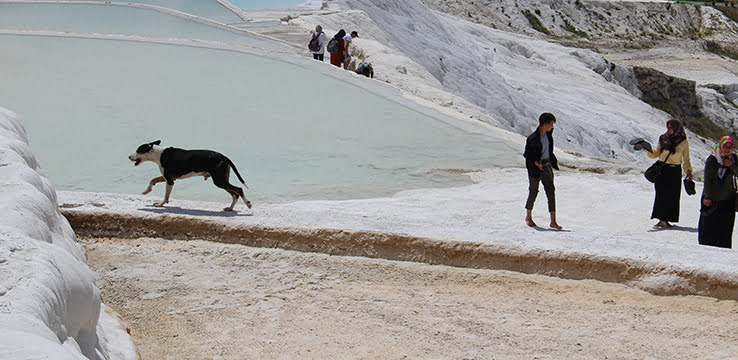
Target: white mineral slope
606,219
49,305
511,77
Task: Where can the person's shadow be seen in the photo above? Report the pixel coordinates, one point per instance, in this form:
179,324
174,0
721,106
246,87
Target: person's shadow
676,228
192,212
539,228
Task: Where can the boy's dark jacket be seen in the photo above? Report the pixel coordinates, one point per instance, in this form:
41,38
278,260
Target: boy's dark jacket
534,149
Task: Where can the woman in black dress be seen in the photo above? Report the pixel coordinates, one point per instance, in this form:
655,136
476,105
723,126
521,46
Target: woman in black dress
717,215
673,150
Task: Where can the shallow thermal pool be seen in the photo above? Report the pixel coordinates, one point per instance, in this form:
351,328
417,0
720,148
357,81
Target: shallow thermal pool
295,128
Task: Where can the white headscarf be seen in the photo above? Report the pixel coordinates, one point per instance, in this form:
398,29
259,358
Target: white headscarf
722,170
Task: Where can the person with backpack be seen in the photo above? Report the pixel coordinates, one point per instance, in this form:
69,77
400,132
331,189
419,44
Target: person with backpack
317,43
336,48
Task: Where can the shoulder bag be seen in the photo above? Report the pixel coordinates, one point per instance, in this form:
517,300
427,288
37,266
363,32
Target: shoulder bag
654,171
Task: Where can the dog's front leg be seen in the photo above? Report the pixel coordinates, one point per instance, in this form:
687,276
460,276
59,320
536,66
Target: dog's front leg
166,195
153,182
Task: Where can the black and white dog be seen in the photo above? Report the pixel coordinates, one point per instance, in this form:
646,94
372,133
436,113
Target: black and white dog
177,163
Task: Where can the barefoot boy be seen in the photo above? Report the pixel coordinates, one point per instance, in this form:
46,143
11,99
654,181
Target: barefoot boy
540,162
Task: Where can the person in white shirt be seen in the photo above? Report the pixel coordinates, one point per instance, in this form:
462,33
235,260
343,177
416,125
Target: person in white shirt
322,41
346,42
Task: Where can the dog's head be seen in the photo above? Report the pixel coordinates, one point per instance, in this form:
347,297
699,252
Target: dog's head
145,152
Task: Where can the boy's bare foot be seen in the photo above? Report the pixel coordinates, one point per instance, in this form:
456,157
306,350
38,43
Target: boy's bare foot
555,226
530,223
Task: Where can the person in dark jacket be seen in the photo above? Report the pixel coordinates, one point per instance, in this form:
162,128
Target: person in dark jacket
337,57
717,214
540,162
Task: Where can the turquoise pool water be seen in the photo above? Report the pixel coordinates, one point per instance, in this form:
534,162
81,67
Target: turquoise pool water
121,20
267,4
210,9
294,127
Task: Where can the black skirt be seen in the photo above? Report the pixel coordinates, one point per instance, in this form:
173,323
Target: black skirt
716,224
668,189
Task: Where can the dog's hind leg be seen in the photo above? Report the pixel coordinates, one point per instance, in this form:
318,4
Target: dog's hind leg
153,182
220,179
246,201
240,193
166,195
235,200
234,191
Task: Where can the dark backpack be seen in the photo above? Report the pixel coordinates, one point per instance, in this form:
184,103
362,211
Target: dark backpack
332,46
314,44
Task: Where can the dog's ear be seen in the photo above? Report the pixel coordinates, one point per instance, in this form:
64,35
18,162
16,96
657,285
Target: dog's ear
157,142
143,149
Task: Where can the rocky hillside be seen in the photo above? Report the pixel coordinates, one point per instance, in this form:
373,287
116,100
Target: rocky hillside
599,23
496,73
708,109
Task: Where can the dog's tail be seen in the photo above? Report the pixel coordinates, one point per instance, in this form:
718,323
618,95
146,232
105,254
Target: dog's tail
236,171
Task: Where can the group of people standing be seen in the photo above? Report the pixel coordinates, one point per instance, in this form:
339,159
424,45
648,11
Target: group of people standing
718,201
340,57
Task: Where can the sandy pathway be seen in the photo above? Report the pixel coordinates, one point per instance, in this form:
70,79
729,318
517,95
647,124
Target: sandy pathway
204,300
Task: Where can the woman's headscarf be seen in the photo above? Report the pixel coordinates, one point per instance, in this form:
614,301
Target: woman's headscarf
340,34
670,142
722,170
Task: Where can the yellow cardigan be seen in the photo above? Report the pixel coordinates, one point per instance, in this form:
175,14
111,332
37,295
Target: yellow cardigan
680,155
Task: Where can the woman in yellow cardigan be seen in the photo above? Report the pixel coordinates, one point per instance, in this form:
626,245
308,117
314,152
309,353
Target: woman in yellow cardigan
673,149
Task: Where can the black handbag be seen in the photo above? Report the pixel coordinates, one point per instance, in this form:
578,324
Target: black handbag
654,171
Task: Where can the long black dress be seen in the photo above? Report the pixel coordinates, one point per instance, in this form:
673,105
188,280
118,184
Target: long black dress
668,190
716,221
